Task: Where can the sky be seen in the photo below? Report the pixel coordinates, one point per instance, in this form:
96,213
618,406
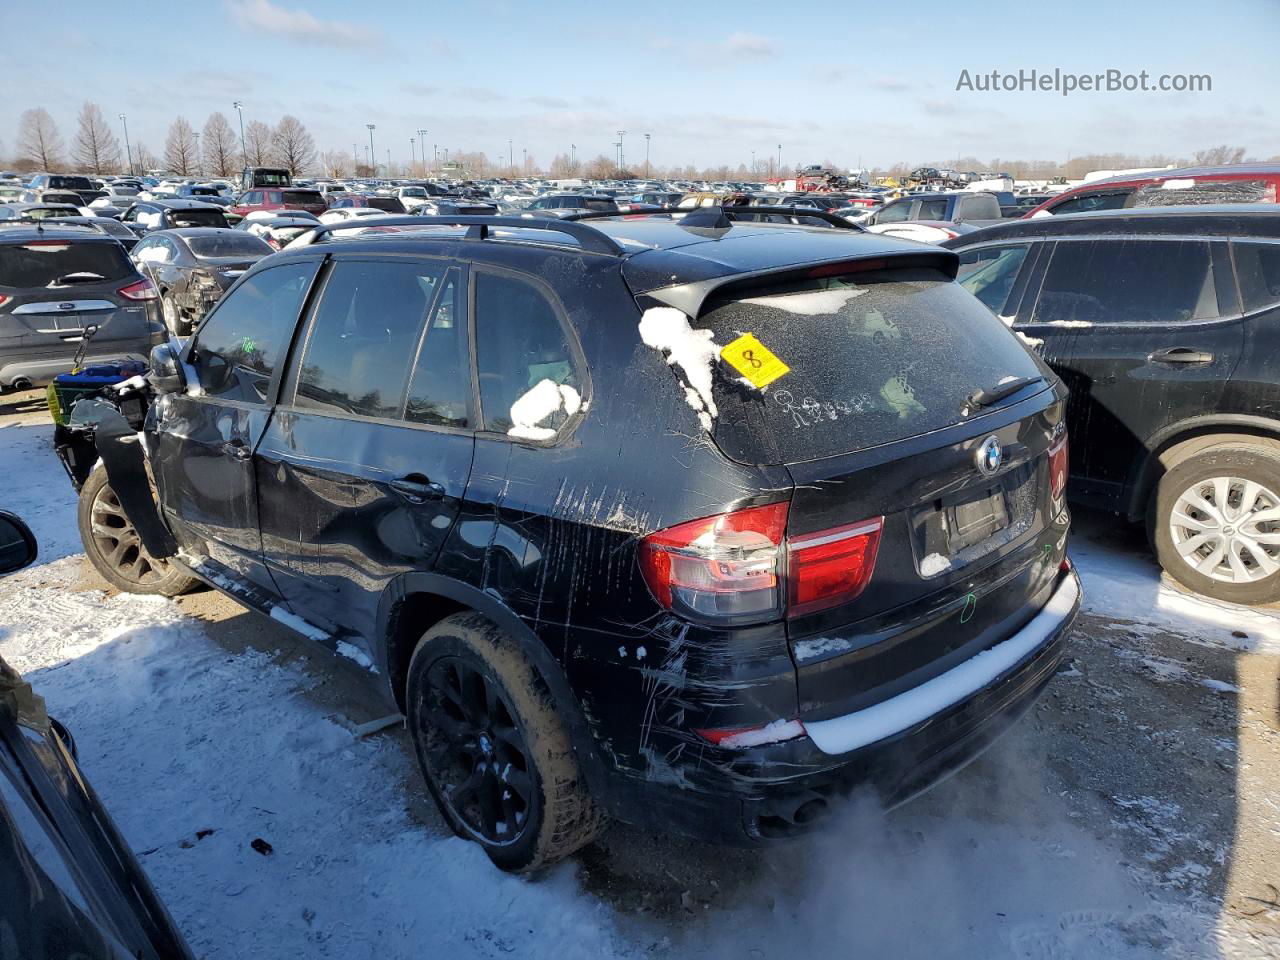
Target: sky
857,84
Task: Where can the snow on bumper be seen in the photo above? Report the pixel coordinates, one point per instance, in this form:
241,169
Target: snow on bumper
855,730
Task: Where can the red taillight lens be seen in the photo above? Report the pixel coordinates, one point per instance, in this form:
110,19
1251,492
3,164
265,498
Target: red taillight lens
833,566
727,567
4,299
1058,464
144,289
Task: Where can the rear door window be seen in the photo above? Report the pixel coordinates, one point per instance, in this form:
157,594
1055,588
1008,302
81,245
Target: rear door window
364,336
873,357
236,349
530,383
989,273
440,386
62,263
1127,281
895,212
932,209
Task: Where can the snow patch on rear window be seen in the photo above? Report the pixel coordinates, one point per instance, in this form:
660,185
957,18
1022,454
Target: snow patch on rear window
695,352
811,304
538,403
1177,185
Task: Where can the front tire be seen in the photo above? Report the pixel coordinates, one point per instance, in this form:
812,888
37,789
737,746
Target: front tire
114,548
1216,527
494,749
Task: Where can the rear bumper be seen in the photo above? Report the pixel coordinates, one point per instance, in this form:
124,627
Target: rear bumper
898,748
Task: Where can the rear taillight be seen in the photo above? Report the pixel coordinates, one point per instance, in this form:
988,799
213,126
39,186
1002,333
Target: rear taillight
4,299
740,567
727,567
144,289
1058,464
831,567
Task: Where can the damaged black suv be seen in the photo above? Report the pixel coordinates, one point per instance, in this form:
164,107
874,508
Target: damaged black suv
694,523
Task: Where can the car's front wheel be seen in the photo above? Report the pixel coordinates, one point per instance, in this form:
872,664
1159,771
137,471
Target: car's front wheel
114,548
1217,523
493,748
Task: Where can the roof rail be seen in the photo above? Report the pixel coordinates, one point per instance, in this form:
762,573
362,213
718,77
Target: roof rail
721,216
478,227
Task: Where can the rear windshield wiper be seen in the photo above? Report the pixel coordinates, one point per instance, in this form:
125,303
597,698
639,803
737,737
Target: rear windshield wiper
83,276
993,395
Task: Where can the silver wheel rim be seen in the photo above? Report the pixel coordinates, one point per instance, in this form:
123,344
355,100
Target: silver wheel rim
1228,529
118,542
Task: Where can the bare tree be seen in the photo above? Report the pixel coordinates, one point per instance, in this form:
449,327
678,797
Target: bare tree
39,142
257,144
601,167
1217,156
180,148
96,150
334,163
218,144
293,146
143,158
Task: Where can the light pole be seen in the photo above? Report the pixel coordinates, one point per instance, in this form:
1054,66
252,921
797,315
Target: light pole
244,153
646,156
524,161
413,157
373,157
621,158
573,158
511,158
753,163
435,157
127,152
199,165
422,142
355,158
388,161
779,159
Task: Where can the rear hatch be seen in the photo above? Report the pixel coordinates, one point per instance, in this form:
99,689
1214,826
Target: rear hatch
52,288
898,380
310,200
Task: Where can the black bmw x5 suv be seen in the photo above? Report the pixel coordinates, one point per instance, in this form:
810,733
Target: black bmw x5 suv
693,523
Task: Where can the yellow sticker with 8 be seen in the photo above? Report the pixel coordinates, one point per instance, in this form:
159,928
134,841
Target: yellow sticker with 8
754,360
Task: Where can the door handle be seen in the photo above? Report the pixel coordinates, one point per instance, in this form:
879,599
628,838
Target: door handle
417,489
235,447
1181,355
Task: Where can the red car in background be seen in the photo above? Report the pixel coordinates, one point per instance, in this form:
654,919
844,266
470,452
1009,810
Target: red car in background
280,198
1236,183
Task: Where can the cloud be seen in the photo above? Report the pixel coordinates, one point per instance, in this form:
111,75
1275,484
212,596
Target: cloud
892,84
299,25
419,89
749,45
479,94
938,108
551,103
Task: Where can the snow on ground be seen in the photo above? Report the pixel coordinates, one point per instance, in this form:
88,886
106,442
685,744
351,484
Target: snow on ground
182,733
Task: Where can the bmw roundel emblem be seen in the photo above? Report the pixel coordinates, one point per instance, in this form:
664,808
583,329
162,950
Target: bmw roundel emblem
989,456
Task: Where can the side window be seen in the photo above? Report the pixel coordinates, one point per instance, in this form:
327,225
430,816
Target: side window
529,385
149,217
988,273
932,209
362,340
1088,202
895,211
238,346
1127,281
1258,265
440,386
253,196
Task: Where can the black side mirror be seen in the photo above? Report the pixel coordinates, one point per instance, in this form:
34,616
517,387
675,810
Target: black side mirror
166,374
17,543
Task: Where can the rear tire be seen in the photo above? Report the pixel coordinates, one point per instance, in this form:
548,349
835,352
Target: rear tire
114,548
1216,523
493,748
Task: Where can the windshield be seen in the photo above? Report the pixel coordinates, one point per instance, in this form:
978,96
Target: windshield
197,218
413,192
43,263
228,245
302,196
873,358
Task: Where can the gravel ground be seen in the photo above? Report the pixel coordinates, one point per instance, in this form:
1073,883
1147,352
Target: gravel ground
1134,813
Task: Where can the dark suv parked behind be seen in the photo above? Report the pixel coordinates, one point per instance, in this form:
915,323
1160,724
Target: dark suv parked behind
1165,325
54,282
695,524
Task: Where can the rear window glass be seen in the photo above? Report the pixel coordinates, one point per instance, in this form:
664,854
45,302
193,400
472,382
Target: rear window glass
600,206
70,183
1190,191
386,204
52,263
197,218
889,356
302,196
231,245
